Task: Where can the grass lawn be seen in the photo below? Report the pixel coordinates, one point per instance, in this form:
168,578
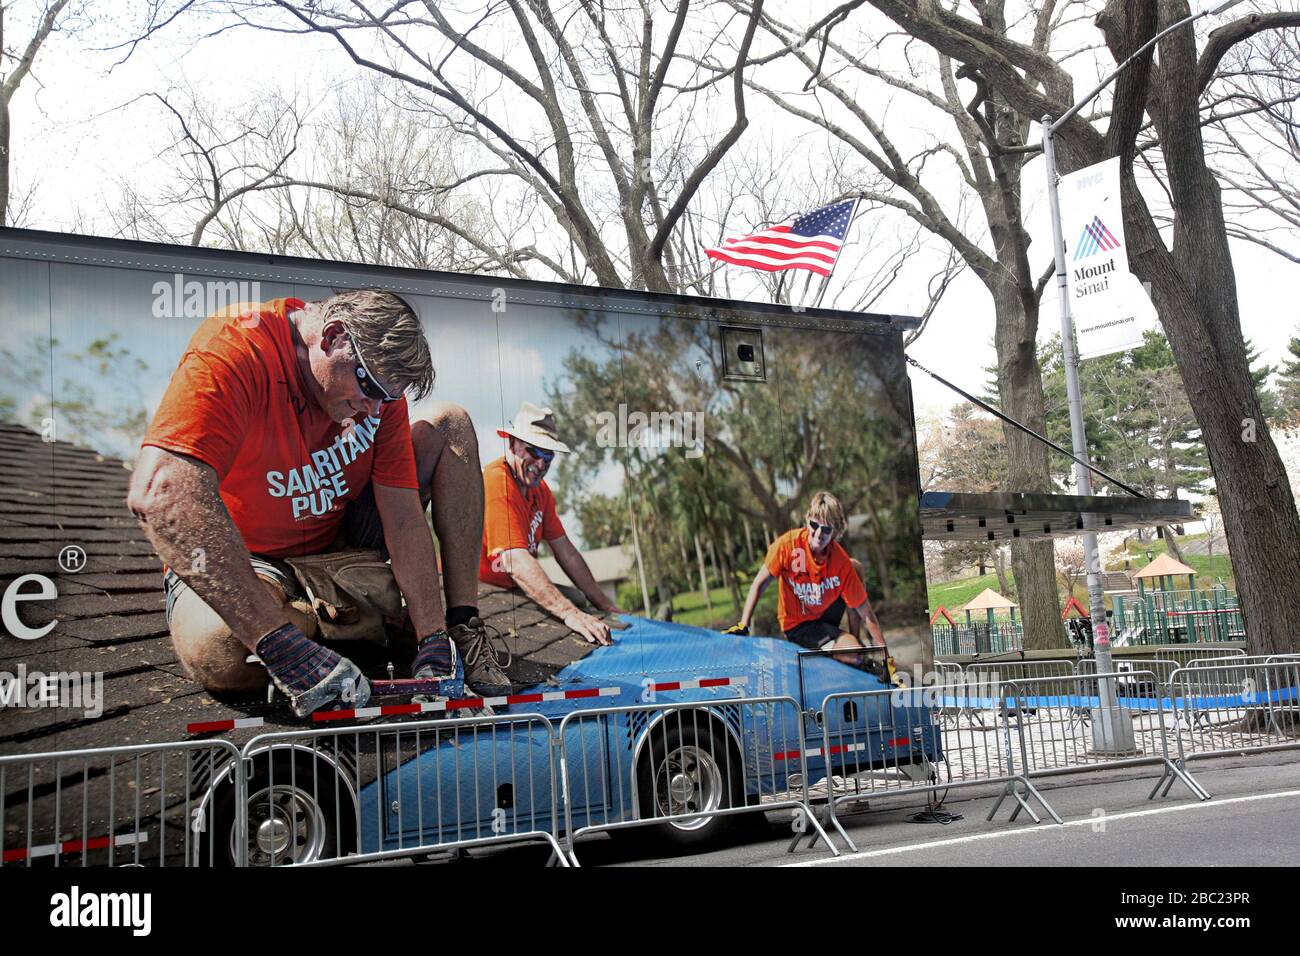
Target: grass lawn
689,608
953,594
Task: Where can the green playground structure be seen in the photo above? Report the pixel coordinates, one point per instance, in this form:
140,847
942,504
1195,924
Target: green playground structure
1159,616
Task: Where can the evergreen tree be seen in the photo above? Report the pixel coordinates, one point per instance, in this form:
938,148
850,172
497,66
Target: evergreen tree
1288,384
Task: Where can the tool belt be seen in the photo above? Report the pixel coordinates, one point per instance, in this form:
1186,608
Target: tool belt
352,593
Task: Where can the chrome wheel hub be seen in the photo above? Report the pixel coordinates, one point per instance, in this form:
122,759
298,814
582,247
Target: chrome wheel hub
285,826
689,781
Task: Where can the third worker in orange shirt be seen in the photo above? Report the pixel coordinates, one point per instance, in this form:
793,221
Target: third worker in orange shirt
519,513
818,582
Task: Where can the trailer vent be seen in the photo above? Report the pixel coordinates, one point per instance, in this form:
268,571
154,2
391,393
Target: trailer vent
742,354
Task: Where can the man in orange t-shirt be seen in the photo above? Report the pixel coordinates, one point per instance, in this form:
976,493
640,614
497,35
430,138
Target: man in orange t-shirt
284,431
519,514
818,581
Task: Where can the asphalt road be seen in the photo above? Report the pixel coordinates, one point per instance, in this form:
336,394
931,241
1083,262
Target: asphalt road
1253,819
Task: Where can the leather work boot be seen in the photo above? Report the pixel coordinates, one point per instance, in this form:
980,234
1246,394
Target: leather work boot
485,663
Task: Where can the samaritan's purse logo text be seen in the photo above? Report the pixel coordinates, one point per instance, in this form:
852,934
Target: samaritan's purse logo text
314,486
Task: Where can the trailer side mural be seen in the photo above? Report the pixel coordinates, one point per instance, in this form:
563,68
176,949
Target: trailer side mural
700,430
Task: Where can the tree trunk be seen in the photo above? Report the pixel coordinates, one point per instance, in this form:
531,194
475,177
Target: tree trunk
704,580
1195,292
1000,566
1020,385
729,573
4,162
1171,545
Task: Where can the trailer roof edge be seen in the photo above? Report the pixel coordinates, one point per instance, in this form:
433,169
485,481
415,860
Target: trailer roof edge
109,251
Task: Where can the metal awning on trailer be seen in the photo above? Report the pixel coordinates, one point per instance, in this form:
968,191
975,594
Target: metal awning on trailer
1002,516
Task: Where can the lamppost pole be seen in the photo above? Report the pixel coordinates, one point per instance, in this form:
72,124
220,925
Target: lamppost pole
1111,731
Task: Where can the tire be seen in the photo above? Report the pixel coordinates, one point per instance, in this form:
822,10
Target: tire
300,810
689,764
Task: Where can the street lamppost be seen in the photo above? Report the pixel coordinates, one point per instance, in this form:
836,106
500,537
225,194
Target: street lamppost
1112,731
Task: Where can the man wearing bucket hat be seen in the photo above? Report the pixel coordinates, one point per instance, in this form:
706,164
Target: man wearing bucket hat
519,513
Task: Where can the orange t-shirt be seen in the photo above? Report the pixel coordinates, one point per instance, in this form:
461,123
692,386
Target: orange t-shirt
512,519
807,588
238,402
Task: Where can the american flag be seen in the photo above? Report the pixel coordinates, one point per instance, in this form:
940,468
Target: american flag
810,242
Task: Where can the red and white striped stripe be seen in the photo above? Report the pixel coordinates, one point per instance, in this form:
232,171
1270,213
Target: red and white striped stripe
219,725
837,749
665,686
75,846
778,248
441,706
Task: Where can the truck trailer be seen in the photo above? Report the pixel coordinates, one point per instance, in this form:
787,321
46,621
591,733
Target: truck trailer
699,430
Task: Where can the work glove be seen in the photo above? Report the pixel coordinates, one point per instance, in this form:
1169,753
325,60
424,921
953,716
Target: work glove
738,629
310,675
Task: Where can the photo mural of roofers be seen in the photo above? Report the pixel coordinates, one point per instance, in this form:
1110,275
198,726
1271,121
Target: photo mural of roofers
521,484
699,446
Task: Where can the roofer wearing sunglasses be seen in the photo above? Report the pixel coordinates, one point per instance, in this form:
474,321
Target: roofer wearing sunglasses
285,433
818,581
519,513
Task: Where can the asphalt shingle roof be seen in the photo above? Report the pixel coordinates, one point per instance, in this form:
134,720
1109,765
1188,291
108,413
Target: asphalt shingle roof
111,613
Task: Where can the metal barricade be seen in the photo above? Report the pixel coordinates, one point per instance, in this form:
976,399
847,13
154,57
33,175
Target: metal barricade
1186,655
110,806
947,672
364,793
1237,708
1216,678
1055,740
1000,671
1162,669
887,742
684,765
947,669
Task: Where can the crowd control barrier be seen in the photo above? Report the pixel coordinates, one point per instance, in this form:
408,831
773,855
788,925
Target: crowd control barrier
110,806
364,793
889,742
685,767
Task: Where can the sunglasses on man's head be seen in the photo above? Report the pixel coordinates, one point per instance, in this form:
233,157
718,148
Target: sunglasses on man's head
541,454
370,386
816,528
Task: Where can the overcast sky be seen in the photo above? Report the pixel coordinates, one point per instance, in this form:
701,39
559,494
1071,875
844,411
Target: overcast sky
74,139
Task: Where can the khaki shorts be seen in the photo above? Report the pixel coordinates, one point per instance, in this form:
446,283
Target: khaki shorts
361,529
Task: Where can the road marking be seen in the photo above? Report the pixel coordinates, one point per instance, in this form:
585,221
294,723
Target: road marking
1044,828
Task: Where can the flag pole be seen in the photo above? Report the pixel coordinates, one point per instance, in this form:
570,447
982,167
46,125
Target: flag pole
807,281
827,283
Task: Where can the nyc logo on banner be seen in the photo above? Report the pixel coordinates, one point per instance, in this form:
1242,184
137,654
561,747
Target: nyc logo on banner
1110,308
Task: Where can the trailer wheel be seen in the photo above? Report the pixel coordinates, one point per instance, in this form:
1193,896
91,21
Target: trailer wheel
299,811
689,767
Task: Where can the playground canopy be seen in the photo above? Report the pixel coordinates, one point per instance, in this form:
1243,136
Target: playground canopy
989,600
1162,566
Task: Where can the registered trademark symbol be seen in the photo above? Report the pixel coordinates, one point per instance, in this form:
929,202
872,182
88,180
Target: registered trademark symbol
72,558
